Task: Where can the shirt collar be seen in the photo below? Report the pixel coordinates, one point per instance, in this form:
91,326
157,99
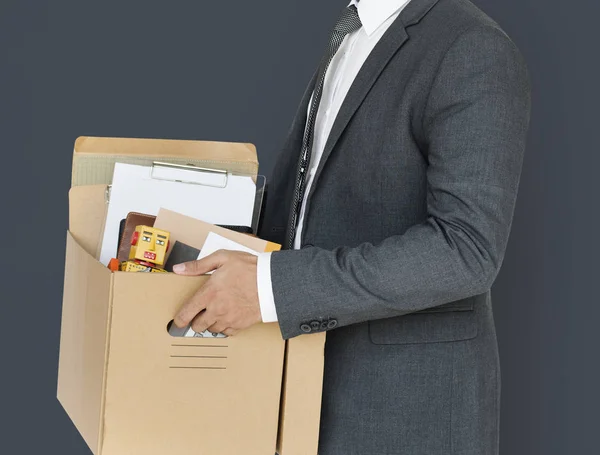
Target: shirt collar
373,13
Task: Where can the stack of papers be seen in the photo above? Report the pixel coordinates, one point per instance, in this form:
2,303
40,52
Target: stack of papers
189,192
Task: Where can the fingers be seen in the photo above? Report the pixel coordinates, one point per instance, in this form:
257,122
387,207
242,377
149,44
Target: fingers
202,322
192,307
229,332
208,264
218,327
222,328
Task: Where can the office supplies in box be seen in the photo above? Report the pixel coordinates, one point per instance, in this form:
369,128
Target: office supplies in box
192,191
129,386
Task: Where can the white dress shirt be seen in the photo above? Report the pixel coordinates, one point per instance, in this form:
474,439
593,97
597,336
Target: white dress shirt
376,16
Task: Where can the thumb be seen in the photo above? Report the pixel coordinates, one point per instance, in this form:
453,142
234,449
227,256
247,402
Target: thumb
208,264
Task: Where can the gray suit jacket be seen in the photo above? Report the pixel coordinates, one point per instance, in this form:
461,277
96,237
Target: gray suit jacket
405,230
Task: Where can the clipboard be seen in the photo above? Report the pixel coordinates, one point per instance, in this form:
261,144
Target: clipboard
213,195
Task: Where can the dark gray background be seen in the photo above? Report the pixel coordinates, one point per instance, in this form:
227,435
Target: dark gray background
235,70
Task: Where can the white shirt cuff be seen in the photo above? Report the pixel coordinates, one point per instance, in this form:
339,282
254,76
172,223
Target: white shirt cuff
265,288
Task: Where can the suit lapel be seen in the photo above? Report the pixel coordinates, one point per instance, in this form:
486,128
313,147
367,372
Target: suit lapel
390,43
299,123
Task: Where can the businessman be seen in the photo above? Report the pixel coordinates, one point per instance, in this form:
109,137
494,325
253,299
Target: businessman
393,197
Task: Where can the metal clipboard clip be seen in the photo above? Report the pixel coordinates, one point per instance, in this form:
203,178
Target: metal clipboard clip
203,176
183,173
208,177
187,173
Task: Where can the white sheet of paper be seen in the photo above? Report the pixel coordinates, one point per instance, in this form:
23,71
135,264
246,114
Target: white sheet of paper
215,242
134,190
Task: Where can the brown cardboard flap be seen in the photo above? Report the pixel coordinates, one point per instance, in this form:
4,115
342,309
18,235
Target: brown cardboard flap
193,232
94,157
85,314
159,386
87,212
301,396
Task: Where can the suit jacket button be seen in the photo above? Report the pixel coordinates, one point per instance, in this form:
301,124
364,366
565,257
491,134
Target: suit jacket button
305,328
324,325
307,245
315,325
332,324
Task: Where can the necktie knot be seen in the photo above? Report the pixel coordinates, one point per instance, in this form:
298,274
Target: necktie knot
349,21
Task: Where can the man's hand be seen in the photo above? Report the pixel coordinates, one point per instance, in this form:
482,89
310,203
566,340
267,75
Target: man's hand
228,301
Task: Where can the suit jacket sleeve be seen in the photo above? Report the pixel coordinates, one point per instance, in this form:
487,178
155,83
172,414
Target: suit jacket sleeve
475,125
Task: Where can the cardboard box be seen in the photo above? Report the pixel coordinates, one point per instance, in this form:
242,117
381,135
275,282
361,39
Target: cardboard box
131,388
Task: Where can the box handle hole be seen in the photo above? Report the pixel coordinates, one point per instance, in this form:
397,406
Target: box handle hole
187,332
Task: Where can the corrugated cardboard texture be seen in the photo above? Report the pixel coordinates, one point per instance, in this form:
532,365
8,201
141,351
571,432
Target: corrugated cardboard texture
301,395
94,157
168,395
83,340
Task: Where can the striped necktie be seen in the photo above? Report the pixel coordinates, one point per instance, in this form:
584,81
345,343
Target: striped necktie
348,22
